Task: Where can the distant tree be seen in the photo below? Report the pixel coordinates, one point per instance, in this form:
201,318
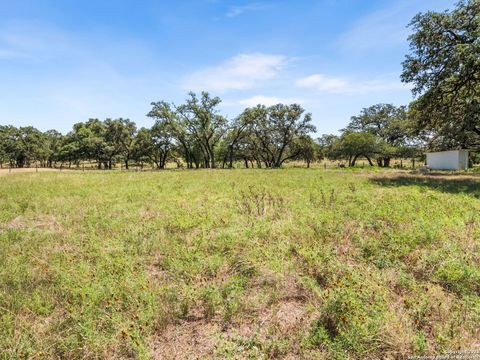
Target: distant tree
119,135
55,140
275,129
327,146
240,129
353,145
248,151
387,122
308,150
87,142
187,143
196,125
195,131
4,155
154,145
204,122
70,150
22,146
4,140
143,147
444,67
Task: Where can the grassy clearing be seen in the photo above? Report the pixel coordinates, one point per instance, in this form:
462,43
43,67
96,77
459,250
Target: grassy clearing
234,264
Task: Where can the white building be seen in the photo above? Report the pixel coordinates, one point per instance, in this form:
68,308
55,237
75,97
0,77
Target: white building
448,160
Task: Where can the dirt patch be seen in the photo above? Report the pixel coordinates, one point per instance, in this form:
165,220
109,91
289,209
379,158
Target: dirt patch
16,224
289,316
45,222
187,340
263,320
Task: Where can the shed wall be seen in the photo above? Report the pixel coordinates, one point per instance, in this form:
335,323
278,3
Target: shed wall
448,160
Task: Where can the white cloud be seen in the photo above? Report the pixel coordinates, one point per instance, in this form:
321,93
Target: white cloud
239,10
323,83
337,85
268,101
244,71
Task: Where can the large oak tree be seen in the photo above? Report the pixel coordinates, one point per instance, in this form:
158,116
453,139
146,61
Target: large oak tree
444,68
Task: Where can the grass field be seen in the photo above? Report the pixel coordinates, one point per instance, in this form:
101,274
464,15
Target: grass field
292,263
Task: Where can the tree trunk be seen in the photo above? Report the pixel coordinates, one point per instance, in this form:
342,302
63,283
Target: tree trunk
20,162
230,156
352,163
213,164
369,161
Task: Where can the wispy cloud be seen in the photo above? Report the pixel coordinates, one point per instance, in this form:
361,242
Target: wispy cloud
339,85
268,100
244,71
235,11
386,28
31,41
323,83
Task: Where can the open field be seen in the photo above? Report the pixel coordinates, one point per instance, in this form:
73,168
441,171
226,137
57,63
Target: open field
24,170
293,263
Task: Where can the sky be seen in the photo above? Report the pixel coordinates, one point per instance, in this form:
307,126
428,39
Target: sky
65,61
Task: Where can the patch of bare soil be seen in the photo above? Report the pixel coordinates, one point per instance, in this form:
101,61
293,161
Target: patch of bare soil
263,320
195,339
45,222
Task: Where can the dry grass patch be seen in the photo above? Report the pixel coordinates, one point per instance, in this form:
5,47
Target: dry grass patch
287,264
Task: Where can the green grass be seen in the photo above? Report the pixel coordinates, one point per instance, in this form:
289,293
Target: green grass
238,264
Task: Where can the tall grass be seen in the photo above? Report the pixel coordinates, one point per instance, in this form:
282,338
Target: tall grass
243,263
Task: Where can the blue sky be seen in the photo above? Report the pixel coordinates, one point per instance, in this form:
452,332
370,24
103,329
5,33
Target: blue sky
62,62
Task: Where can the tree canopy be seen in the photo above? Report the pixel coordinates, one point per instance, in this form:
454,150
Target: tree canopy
444,68
193,134
386,122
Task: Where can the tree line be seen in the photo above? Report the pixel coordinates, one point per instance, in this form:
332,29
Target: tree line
195,135
443,67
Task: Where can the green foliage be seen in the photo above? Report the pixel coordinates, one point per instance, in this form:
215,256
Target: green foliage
196,125
19,147
354,144
443,67
380,132
391,128
277,132
194,134
383,120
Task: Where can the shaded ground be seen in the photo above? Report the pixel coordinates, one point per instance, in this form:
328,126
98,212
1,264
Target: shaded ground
448,183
